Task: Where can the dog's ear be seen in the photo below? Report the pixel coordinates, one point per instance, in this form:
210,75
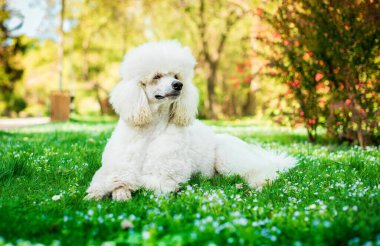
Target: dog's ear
129,100
185,109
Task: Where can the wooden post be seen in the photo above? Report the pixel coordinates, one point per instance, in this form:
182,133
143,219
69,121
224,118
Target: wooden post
60,105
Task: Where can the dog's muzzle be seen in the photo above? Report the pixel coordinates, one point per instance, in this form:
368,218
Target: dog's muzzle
177,87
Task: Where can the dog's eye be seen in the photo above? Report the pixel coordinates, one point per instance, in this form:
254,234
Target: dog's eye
157,76
176,76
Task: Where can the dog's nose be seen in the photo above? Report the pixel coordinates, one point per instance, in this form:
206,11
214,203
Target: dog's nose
177,85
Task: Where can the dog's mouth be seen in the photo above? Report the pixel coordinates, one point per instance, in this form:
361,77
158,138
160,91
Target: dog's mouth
159,97
169,95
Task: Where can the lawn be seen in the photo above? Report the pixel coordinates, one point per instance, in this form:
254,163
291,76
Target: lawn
332,197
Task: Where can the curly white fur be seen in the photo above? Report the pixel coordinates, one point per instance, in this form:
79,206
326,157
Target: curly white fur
157,143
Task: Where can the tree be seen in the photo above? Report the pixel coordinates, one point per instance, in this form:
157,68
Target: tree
10,69
98,25
213,44
212,29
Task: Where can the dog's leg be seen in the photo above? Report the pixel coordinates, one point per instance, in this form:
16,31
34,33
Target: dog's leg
161,184
119,183
164,173
167,163
97,189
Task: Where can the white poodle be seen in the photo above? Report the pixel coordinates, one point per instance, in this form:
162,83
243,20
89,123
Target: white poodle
158,143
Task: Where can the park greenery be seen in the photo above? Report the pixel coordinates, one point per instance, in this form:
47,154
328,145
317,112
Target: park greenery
304,75
299,63
331,197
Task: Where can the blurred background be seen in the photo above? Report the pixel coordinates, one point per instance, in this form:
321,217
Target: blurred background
305,63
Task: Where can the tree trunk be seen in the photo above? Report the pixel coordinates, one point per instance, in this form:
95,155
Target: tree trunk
211,92
249,107
213,60
86,76
61,47
98,98
312,136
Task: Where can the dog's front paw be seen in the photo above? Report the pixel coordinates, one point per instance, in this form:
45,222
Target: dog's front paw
159,185
94,195
121,194
166,189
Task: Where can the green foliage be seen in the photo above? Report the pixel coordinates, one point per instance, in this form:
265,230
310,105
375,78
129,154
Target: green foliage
96,44
101,32
331,197
212,29
327,53
11,48
19,104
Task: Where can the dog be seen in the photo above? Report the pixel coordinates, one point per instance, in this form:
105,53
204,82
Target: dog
157,143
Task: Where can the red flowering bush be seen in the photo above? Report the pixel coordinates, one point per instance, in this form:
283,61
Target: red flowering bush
328,53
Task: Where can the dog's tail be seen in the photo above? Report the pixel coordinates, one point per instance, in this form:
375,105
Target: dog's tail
255,164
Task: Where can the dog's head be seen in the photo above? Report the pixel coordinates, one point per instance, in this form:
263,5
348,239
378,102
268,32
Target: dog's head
155,74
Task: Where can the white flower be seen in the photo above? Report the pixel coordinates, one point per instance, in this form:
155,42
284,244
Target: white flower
132,217
108,244
327,224
368,243
126,224
235,214
146,235
345,208
208,219
241,221
56,197
355,240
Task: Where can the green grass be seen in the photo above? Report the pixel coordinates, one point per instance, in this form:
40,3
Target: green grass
332,197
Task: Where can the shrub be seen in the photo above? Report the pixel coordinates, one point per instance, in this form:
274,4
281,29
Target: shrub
328,55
